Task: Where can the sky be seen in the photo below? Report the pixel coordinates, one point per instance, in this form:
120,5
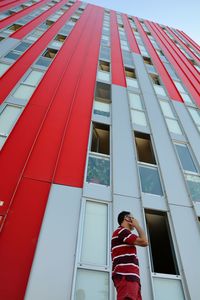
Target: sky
179,14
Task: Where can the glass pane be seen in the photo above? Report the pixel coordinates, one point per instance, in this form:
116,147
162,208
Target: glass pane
3,68
166,109
195,115
45,62
8,118
2,141
193,183
56,44
150,180
132,82
135,101
103,76
159,90
138,117
94,247
33,78
102,108
186,98
23,92
92,285
166,289
12,55
22,47
98,170
185,158
173,126
179,86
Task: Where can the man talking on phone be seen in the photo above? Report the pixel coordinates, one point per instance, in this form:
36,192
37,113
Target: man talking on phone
125,268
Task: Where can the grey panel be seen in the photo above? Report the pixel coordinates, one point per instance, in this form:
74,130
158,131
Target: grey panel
7,45
197,209
189,127
150,201
97,191
168,162
121,203
125,177
53,265
188,240
21,102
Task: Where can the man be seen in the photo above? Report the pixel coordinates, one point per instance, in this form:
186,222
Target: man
125,269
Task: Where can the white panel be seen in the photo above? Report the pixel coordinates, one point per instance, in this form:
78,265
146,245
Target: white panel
23,91
53,265
138,117
188,239
91,285
8,118
94,246
3,68
166,289
135,101
33,77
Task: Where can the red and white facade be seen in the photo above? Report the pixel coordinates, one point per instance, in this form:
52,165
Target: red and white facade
82,90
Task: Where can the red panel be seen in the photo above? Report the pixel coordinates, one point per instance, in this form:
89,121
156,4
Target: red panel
17,70
130,36
181,59
23,31
21,14
15,153
19,237
44,156
169,85
190,41
182,74
71,164
118,75
192,54
5,5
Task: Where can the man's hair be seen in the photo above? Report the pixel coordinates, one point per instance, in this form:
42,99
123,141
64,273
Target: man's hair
121,216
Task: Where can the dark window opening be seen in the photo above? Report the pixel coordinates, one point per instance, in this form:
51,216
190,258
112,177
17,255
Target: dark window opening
50,53
155,79
161,247
144,148
147,60
103,91
100,138
130,72
104,66
61,38
14,27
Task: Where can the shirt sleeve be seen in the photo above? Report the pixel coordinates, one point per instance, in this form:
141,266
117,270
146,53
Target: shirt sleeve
126,236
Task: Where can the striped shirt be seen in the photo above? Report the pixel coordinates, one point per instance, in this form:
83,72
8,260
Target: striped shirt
124,255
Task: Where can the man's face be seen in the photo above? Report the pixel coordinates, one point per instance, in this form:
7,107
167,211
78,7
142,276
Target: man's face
129,219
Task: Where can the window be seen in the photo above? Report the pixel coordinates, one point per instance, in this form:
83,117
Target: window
127,58
3,68
103,72
137,112
138,117
185,158
95,242
100,138
195,115
131,77
23,92
173,126
144,148
104,66
33,77
98,280
50,53
193,184
8,118
179,86
102,108
103,92
155,79
166,109
163,258
168,288
22,47
105,53
14,27
135,101
150,180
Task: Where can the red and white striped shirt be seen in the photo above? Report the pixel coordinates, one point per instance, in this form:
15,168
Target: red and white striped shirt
124,255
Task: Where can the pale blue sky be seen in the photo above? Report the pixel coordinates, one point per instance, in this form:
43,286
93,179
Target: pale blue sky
180,14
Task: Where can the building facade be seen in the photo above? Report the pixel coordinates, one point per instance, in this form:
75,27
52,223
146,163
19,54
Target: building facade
99,113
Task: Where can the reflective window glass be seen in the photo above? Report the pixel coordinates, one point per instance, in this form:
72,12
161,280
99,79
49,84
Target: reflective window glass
132,82
150,180
3,68
8,118
33,77
193,183
102,108
173,126
103,76
195,115
185,158
159,90
167,288
167,111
